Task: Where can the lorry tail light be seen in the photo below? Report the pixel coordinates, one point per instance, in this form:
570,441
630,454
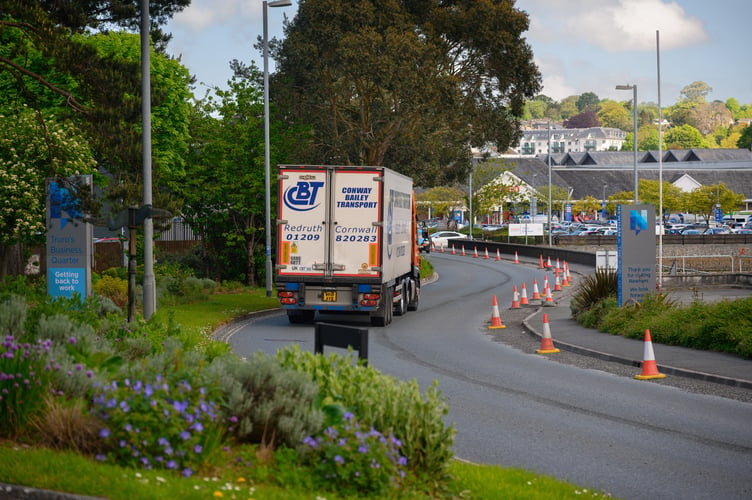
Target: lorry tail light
369,303
287,298
371,296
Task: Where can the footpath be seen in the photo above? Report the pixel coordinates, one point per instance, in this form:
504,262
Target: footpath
671,360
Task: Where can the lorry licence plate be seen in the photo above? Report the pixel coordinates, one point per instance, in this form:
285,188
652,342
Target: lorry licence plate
329,296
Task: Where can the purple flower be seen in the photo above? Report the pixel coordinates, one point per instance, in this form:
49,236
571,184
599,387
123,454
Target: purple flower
104,433
185,435
339,459
180,406
72,340
197,449
171,465
187,472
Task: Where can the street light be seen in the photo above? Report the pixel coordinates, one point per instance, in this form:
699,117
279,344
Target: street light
267,158
603,207
633,88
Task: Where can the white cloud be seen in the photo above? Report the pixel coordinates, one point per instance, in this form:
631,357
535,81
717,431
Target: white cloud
625,25
205,14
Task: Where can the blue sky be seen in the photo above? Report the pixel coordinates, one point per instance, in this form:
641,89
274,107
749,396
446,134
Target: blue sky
579,45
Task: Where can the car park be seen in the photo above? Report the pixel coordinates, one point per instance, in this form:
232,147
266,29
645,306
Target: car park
441,238
688,232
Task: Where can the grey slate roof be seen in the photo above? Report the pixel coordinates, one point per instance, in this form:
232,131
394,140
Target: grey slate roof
588,172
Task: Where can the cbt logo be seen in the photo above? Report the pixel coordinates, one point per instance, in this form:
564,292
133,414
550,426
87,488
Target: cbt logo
302,196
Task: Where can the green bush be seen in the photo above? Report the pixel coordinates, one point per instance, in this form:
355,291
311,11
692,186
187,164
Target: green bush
354,460
113,288
593,289
385,403
159,422
268,404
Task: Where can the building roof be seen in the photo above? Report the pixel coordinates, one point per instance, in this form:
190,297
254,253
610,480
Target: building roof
586,173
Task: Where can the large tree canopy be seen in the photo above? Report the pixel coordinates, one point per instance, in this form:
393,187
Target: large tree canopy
408,85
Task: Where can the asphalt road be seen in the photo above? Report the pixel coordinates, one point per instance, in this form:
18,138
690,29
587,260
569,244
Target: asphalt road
629,438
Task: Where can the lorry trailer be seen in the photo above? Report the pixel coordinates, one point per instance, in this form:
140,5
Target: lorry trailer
346,242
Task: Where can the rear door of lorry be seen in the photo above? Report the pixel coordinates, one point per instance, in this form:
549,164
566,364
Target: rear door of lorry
330,223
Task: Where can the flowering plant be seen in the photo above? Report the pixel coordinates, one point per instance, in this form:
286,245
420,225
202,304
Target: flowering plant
25,373
153,424
355,460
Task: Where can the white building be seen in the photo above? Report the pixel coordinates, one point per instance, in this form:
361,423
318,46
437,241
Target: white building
570,140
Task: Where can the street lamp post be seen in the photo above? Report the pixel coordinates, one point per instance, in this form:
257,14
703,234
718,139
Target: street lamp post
633,88
603,206
267,156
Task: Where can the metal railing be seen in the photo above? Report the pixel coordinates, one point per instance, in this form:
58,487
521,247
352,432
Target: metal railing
702,263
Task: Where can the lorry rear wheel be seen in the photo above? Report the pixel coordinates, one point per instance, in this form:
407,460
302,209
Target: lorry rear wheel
300,317
383,316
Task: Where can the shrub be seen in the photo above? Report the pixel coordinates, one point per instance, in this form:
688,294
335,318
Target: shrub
25,374
68,424
113,288
385,403
268,404
592,289
158,423
354,460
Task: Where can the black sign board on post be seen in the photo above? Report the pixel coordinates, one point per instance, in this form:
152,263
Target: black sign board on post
341,336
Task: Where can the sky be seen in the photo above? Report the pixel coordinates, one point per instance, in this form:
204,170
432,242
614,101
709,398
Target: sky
578,45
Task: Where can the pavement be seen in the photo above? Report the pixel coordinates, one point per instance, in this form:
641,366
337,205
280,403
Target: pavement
710,366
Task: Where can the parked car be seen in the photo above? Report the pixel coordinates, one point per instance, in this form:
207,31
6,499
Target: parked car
688,232
716,230
441,238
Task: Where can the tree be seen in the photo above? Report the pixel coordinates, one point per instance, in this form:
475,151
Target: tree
615,115
587,119
647,138
684,137
745,141
703,200
708,116
673,197
33,148
224,189
695,92
536,108
569,107
408,85
442,199
588,101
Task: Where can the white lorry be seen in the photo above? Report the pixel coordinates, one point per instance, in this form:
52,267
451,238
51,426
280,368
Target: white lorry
346,242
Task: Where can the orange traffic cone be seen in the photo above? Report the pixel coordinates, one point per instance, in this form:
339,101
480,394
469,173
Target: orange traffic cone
549,300
649,368
557,283
495,318
565,273
557,264
548,263
545,284
453,251
547,343
515,298
498,255
441,248
516,260
486,256
536,293
463,250
540,265
475,252
523,299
